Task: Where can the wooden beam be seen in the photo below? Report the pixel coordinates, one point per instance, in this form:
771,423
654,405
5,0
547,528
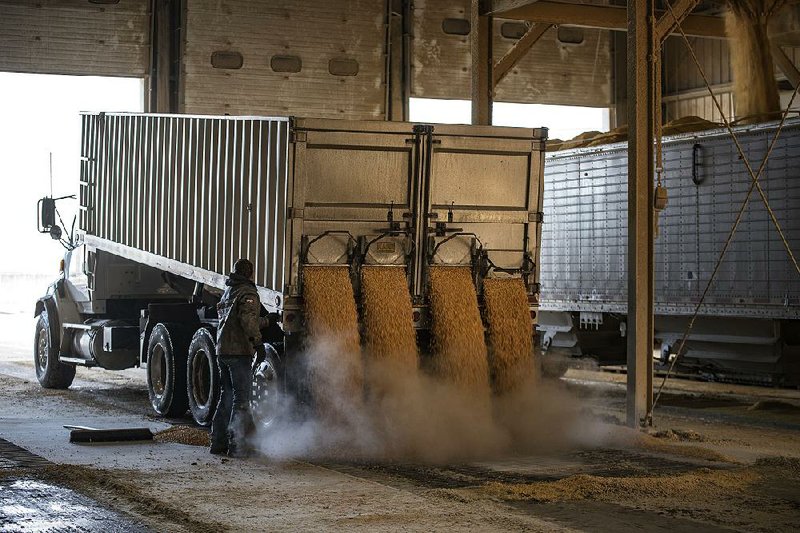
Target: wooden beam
498,7
606,17
785,64
665,24
481,76
517,52
786,39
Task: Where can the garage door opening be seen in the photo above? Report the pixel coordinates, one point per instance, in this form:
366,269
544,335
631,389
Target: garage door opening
564,122
39,117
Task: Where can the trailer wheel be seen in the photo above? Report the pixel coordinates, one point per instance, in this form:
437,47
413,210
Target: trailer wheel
51,373
202,377
267,390
166,370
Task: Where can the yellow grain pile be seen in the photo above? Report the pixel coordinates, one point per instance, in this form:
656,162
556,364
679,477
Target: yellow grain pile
701,483
387,317
754,85
510,334
333,348
458,344
184,435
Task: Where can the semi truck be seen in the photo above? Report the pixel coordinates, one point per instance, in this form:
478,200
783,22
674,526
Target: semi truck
167,203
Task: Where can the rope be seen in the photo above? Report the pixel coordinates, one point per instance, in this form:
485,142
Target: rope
754,184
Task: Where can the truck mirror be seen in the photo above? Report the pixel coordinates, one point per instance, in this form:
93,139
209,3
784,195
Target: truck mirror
47,213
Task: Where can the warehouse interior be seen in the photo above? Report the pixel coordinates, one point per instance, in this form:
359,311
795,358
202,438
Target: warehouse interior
520,264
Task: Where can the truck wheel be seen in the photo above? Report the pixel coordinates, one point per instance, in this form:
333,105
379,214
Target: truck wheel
202,377
267,390
166,370
51,373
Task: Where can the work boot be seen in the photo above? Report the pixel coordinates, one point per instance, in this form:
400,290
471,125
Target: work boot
240,451
219,448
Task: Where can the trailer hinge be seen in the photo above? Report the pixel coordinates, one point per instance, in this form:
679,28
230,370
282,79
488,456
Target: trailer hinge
536,216
299,136
295,212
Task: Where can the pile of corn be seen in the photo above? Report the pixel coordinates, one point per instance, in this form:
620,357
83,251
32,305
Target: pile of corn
459,355
459,348
388,329
510,334
335,367
184,435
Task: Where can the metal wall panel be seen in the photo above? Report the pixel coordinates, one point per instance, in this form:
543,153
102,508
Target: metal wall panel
680,72
316,32
550,73
685,91
700,104
75,37
197,191
585,231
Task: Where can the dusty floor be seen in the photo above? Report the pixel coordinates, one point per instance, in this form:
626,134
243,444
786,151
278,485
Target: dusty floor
720,457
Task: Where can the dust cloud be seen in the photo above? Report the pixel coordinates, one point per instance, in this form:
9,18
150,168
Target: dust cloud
435,408
420,417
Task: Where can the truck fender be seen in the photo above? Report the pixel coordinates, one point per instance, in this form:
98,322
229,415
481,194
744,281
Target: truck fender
48,304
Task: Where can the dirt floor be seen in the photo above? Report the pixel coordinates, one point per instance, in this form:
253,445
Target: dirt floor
720,457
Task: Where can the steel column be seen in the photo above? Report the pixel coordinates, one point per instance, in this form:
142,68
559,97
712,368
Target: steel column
641,88
480,38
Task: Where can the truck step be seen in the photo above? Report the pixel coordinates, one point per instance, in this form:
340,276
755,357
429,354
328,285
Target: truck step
77,361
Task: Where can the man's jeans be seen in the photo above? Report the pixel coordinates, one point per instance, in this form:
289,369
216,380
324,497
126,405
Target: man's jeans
232,418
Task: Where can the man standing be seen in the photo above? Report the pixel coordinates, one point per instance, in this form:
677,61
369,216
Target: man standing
238,338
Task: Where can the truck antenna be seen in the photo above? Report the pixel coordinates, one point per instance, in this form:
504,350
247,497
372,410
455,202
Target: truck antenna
51,174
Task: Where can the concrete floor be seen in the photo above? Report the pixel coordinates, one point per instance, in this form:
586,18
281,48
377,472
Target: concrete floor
720,457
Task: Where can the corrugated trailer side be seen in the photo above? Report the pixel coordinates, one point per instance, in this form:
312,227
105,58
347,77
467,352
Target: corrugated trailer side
585,235
188,194
755,297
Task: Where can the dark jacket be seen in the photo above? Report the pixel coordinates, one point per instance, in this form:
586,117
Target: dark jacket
239,324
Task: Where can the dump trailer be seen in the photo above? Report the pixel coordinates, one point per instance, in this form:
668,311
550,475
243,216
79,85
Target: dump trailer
169,202
748,328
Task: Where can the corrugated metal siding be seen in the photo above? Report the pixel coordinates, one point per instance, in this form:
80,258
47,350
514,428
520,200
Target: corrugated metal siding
314,31
584,237
680,72
699,104
550,73
74,37
202,191
685,93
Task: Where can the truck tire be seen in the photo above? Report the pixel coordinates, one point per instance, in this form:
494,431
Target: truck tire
166,370
202,377
51,373
267,391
